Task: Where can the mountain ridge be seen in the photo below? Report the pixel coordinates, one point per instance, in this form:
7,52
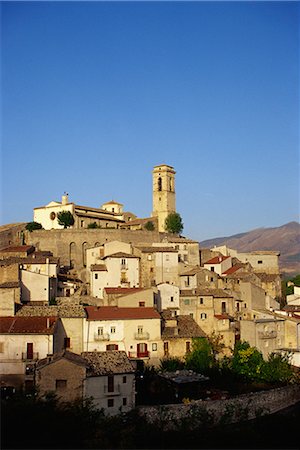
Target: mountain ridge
285,239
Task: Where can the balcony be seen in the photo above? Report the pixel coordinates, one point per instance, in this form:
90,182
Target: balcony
138,355
141,336
267,334
30,356
116,390
102,337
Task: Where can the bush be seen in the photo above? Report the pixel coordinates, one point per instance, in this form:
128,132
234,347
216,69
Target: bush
31,226
93,225
247,361
201,358
149,226
277,369
171,364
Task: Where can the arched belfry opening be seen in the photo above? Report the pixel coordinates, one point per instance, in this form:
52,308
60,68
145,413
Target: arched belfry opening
159,184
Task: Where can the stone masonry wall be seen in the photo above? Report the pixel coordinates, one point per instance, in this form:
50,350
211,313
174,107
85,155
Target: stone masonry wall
71,244
199,413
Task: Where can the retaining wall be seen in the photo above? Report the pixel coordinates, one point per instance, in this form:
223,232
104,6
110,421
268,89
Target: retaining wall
217,412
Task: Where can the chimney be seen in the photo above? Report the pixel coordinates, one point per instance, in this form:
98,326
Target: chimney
65,199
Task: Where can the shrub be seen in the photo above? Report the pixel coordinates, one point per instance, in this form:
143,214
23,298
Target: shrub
31,226
201,358
171,364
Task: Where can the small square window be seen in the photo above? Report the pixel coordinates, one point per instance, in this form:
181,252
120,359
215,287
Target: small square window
141,304
124,379
201,301
110,402
100,331
112,330
259,262
191,315
124,401
96,276
60,384
154,347
172,299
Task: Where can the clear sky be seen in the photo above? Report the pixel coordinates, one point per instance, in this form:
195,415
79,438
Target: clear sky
94,94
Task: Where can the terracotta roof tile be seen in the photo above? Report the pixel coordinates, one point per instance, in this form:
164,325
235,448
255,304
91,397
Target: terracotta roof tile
217,260
116,313
19,248
122,291
30,325
98,268
121,255
109,362
231,270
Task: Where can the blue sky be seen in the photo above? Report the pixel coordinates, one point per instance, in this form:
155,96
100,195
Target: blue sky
95,94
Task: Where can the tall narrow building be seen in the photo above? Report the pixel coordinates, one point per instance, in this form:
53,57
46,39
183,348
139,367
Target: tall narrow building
164,200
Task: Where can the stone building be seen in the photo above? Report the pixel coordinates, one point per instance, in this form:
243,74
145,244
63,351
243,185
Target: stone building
164,199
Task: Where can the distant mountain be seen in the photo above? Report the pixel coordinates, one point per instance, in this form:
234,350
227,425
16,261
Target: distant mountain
285,239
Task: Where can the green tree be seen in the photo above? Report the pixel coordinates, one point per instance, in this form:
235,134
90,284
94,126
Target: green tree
149,226
217,344
247,361
31,226
171,364
65,218
201,358
173,223
277,369
93,225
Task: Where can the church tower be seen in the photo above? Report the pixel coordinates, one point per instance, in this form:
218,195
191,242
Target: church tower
164,201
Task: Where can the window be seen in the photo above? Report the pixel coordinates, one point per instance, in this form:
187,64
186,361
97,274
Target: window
67,342
151,269
149,257
100,331
112,330
140,330
60,384
124,401
166,348
159,184
111,347
191,315
124,379
186,301
223,307
110,402
123,262
154,347
96,276
201,301
245,305
212,279
167,257
1,347
110,383
172,299
187,347
212,268
141,304
203,316
259,262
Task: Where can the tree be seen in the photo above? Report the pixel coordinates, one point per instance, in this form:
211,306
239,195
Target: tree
65,218
247,361
31,226
173,223
149,226
93,225
201,358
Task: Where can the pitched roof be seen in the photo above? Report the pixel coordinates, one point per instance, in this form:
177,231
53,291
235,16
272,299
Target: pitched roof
30,325
67,311
98,268
109,362
186,328
18,248
267,277
116,313
192,271
122,291
121,255
64,354
232,269
217,259
112,202
216,293
157,249
223,316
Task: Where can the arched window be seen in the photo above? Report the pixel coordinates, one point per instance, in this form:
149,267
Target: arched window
84,245
159,184
97,244
72,254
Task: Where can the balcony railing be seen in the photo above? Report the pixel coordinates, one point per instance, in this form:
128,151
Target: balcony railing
116,390
142,336
136,355
267,334
102,337
30,356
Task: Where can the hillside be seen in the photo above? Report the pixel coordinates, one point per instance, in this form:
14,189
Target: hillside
285,239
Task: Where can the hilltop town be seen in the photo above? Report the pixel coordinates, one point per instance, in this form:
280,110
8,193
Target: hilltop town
86,303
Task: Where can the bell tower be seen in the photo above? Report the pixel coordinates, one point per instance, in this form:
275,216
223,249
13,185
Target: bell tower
164,201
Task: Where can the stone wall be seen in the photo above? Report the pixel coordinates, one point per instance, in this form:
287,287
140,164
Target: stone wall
11,234
217,412
70,245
